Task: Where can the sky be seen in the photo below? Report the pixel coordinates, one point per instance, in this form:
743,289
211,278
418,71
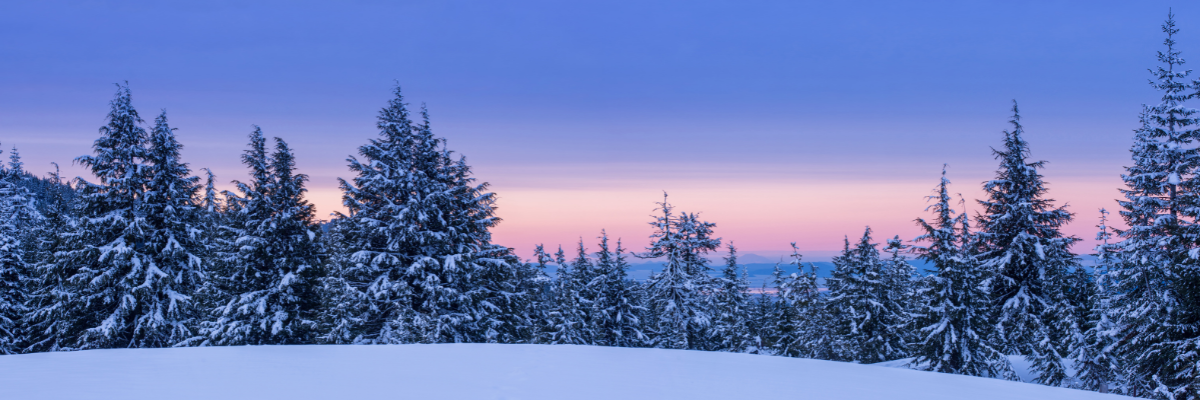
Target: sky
780,121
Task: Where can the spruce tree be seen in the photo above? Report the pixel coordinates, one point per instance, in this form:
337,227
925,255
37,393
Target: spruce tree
1155,276
1097,366
865,320
49,310
271,267
174,271
796,322
678,296
419,241
18,215
952,323
1030,257
732,306
619,321
111,304
565,322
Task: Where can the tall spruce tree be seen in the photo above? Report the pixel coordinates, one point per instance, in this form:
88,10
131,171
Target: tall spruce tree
1155,277
270,267
678,296
174,271
1030,257
952,323
115,295
419,241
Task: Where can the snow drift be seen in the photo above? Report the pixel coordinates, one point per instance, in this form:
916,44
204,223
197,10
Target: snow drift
477,371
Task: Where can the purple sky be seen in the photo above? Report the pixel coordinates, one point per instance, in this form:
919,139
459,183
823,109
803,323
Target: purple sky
779,121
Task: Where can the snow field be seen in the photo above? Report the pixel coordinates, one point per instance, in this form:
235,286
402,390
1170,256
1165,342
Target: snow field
478,371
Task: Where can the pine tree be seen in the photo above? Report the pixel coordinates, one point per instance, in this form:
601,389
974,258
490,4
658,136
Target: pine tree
18,215
565,321
952,324
114,291
1097,366
48,320
1030,256
1155,277
619,321
869,324
796,323
678,296
732,306
539,300
421,250
175,245
271,270
900,288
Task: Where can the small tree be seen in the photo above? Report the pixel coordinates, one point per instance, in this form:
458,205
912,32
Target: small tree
952,323
1096,363
678,295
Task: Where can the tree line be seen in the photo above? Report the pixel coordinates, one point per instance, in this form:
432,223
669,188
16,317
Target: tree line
151,255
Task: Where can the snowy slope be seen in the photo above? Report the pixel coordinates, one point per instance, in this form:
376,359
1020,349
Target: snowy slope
1022,366
477,371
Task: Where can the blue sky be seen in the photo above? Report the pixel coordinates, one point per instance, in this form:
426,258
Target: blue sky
781,121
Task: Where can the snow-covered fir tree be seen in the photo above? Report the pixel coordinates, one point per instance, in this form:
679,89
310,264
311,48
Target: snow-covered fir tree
795,323
539,295
419,241
866,320
679,295
18,217
1155,276
1030,258
1097,365
618,314
49,294
568,315
732,307
565,320
952,323
174,244
116,299
900,283
270,268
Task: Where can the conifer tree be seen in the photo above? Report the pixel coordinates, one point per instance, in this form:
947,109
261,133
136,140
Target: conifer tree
952,324
110,304
732,306
619,314
538,287
796,323
866,321
1030,257
678,296
174,244
565,322
271,267
419,241
49,309
1096,364
18,215
1155,277
900,288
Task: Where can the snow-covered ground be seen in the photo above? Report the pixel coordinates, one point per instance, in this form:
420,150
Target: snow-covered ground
477,371
1020,365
